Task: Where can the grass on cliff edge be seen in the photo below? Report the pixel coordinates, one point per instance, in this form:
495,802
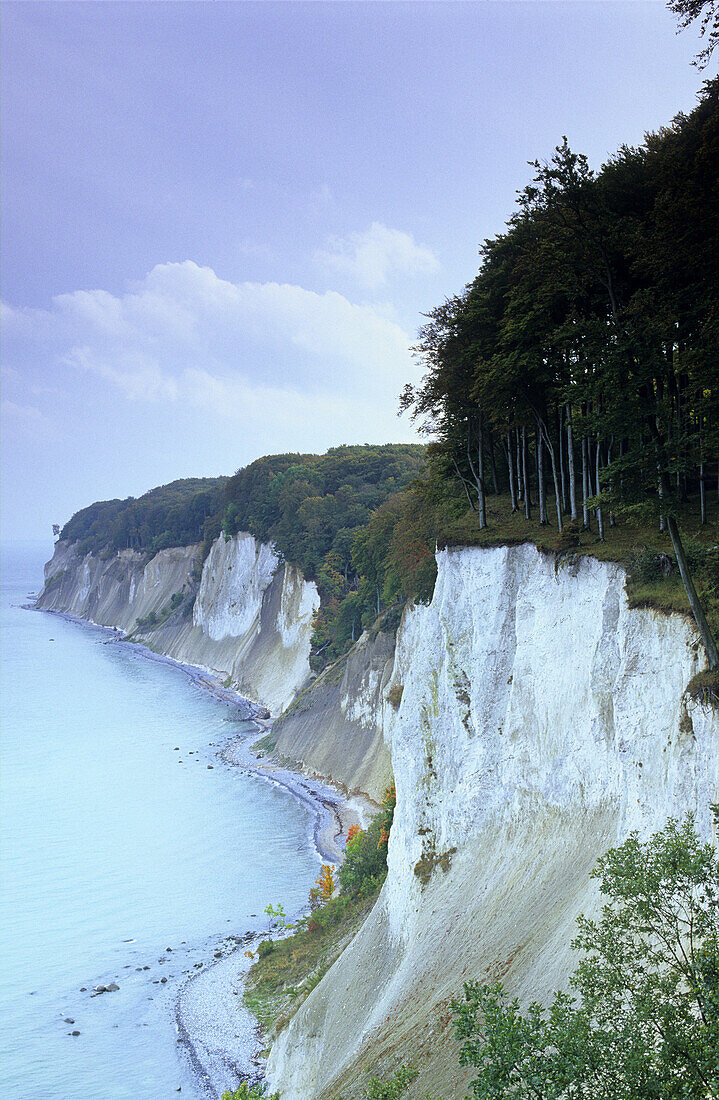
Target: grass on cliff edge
628,543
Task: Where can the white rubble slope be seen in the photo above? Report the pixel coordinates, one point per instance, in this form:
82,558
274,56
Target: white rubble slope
541,721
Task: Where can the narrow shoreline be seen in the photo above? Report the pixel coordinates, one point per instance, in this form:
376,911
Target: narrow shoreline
218,1038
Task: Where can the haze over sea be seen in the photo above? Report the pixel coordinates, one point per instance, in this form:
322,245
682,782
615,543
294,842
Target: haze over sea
114,851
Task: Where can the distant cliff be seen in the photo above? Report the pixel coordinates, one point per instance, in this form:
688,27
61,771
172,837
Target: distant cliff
242,614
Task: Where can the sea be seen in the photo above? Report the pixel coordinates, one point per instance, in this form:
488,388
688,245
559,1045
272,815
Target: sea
129,853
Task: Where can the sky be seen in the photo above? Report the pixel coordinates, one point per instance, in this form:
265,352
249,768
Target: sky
222,223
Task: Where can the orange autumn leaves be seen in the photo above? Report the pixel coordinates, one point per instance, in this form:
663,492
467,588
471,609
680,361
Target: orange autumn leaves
323,888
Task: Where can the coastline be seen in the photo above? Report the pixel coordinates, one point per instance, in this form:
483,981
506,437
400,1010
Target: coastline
217,1037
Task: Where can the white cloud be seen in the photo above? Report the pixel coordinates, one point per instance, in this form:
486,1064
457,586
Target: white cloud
28,421
373,257
184,338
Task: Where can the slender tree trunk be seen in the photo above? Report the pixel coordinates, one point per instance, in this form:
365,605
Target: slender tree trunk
510,472
465,485
600,520
697,609
525,475
495,484
540,477
520,486
480,475
555,473
585,485
570,463
560,437
702,493
612,521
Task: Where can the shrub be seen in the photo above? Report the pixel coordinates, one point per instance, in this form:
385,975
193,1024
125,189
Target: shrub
649,565
258,1091
645,1025
365,864
390,1090
394,696
266,948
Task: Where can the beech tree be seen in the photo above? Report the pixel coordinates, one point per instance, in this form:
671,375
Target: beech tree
645,1022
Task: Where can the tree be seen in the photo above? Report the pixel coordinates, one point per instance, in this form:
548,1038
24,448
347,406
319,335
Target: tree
258,1091
707,11
645,1023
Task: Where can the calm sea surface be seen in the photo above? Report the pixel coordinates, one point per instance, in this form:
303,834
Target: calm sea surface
113,851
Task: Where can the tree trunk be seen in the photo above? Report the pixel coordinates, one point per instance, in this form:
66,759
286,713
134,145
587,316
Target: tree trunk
697,610
560,437
555,474
600,521
520,486
612,521
465,485
525,475
480,475
510,469
540,477
702,493
585,485
570,463
495,484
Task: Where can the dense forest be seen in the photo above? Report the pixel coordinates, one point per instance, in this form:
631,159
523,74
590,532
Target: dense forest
326,514
171,515
316,509
579,371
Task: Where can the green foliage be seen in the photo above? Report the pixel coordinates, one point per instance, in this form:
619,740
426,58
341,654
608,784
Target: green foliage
251,1092
395,1087
171,515
277,914
266,947
316,509
365,864
645,1023
648,565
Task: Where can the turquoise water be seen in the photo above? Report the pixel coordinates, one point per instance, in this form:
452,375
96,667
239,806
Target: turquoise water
113,850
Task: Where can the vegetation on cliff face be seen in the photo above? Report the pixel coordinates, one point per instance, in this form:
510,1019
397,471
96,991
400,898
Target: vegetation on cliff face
315,508
645,1022
287,970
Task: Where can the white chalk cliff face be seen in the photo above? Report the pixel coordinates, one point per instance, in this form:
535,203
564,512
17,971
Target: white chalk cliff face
542,720
250,624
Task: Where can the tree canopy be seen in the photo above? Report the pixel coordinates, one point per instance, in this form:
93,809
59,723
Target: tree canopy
170,515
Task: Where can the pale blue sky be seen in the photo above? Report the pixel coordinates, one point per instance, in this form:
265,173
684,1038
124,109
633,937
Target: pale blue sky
222,222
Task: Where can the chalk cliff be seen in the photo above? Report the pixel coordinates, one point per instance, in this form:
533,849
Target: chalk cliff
335,727
541,721
242,614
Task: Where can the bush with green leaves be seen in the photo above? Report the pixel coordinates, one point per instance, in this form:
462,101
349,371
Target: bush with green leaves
365,864
250,1092
392,1089
645,1022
